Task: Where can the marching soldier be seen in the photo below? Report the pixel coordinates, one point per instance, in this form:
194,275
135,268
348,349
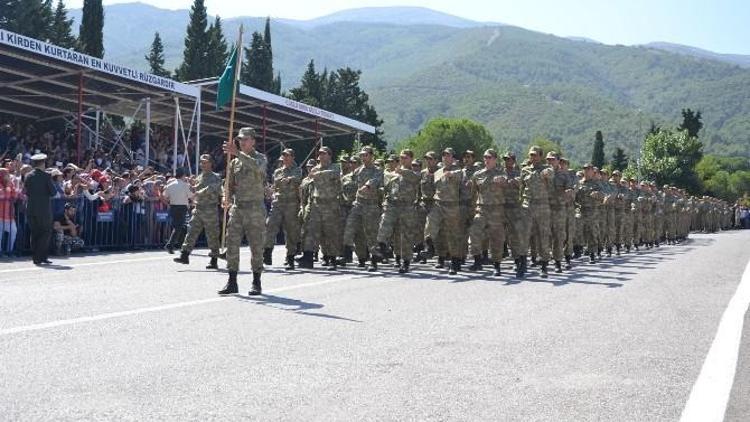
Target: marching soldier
588,196
487,186
559,193
536,181
362,224
570,212
444,221
348,192
207,187
245,185
516,217
427,200
284,209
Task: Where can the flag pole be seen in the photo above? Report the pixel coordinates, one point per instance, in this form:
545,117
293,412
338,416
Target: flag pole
237,65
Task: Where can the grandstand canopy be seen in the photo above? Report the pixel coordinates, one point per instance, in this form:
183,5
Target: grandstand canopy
280,119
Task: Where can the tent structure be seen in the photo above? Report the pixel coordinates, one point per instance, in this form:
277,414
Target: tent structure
41,81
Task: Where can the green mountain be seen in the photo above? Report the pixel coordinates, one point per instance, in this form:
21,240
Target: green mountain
521,84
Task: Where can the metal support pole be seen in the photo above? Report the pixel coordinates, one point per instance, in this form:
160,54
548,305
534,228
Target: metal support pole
198,134
148,130
176,129
79,131
264,128
96,139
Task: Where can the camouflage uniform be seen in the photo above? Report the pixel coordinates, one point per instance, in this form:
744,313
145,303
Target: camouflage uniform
285,208
206,213
247,216
362,224
588,197
444,220
400,221
558,195
536,182
324,217
516,217
489,218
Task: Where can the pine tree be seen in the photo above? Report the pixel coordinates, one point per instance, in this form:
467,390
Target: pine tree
32,18
597,157
90,33
195,55
155,58
46,20
8,10
619,159
277,84
62,28
310,89
257,71
691,121
218,50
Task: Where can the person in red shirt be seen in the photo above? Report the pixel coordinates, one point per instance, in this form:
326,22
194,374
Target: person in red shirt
8,228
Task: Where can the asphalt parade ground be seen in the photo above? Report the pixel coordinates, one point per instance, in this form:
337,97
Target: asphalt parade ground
651,336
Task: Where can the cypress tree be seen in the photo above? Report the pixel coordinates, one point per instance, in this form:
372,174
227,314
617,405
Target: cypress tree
310,89
155,58
257,72
597,157
194,59
90,33
267,39
32,18
218,50
62,28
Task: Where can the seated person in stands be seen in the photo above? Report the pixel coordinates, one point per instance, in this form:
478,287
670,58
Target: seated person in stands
67,231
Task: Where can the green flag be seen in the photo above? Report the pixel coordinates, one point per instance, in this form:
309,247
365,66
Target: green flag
227,82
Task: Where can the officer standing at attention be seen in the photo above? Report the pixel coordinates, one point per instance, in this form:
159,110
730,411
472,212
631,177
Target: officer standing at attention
205,216
39,190
245,185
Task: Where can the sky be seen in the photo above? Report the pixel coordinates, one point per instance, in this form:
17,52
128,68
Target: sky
722,26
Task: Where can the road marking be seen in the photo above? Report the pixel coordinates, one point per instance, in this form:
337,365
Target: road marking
85,264
111,315
710,394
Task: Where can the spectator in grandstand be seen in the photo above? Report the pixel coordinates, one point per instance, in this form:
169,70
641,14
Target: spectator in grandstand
177,194
67,231
8,227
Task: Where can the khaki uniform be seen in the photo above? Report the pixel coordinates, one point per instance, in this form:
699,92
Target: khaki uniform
362,224
400,222
516,216
489,217
285,207
444,221
205,214
324,211
536,183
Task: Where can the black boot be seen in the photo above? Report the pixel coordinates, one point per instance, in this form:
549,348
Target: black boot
497,269
404,268
543,269
362,263
609,251
440,263
524,266
558,266
213,264
183,259
519,273
486,258
326,261
267,256
316,256
256,289
306,261
223,256
231,287
592,258
568,264
627,248
397,263
617,253
477,265
430,251
332,263
348,254
455,266
534,262
373,264
289,263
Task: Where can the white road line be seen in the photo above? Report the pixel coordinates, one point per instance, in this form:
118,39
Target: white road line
111,315
85,264
710,394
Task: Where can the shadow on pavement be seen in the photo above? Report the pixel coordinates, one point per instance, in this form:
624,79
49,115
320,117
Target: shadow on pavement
291,305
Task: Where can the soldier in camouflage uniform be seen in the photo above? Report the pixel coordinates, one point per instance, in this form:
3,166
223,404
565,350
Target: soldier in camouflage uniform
570,212
427,200
285,207
400,222
619,199
362,225
466,199
245,184
487,187
348,192
207,188
559,192
445,218
589,197
537,179
609,231
516,217
324,215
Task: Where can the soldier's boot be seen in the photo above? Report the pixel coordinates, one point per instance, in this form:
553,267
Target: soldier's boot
223,256
524,266
534,262
418,250
255,290
213,264
299,250
316,256
543,269
440,263
617,249
477,265
506,252
404,268
497,269
289,263
362,262
430,251
568,264
397,263
267,256
592,258
326,261
183,259
455,266
306,261
599,253
388,254
609,251
558,266
636,247
627,248
373,264
517,261
231,287
348,254
656,243
577,251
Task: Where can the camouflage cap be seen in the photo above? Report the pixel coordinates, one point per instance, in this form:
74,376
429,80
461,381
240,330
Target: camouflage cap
379,162
288,151
632,179
490,152
431,154
355,160
206,157
553,155
449,151
366,150
311,163
246,132
325,150
391,158
588,166
564,160
509,155
469,152
536,150
617,173
344,159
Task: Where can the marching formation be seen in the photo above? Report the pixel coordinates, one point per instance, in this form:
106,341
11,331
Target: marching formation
442,207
